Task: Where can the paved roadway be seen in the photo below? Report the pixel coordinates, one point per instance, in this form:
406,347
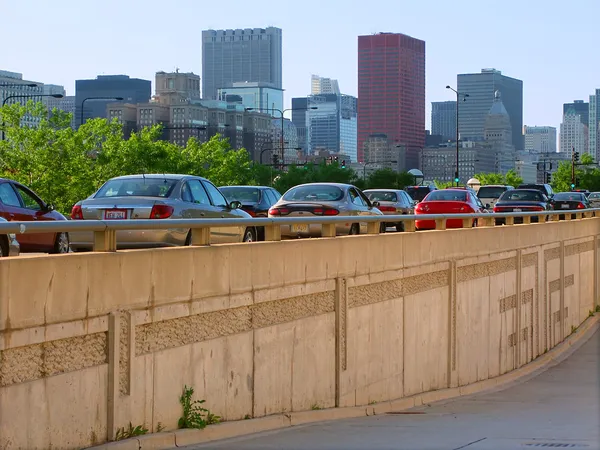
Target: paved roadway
559,408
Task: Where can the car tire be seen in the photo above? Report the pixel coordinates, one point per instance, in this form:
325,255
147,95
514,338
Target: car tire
400,228
382,228
61,244
3,246
249,235
354,229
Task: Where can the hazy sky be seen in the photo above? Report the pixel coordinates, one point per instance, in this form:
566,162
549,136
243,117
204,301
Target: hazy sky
552,45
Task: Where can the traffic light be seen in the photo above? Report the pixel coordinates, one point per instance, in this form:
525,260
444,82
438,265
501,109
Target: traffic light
329,159
275,159
548,178
572,186
343,163
335,159
575,156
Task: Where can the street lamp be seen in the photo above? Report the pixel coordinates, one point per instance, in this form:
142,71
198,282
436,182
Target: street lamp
281,113
96,98
456,178
267,149
26,96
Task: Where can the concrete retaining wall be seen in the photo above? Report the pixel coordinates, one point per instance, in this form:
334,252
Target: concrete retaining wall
91,342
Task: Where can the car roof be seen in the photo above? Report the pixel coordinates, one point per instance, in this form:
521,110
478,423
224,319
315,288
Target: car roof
338,185
494,185
537,191
157,176
246,186
383,190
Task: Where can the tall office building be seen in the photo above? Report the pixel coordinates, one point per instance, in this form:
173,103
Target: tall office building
176,87
540,139
594,125
443,119
330,127
580,108
573,133
261,97
98,93
481,88
391,92
235,56
498,135
322,85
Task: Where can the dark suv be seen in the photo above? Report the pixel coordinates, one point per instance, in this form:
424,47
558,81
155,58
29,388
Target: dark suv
545,189
418,193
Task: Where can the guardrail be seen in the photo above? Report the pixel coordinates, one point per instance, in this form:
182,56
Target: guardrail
105,230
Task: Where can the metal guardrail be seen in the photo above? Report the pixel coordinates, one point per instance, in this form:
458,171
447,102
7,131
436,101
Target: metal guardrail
105,230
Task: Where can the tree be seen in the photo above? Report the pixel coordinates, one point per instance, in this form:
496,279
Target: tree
314,173
587,175
511,178
389,179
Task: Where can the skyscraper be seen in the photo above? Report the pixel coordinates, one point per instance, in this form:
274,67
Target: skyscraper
235,56
322,85
580,108
391,92
573,133
540,139
443,119
594,125
481,88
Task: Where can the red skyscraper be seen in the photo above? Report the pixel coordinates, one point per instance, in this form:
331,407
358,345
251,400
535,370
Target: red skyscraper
391,92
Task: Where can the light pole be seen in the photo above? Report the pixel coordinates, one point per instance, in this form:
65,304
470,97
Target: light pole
281,113
96,98
458,95
25,96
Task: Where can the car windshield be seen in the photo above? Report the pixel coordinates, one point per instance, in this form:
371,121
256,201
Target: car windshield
382,196
521,196
594,195
241,194
314,192
568,197
418,192
490,191
447,196
137,187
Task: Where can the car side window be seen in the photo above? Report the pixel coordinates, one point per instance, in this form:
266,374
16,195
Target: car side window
355,198
276,195
271,199
8,196
406,199
198,193
29,200
186,194
217,198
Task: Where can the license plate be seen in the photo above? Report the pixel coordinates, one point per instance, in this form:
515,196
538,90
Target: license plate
564,206
517,210
115,214
300,228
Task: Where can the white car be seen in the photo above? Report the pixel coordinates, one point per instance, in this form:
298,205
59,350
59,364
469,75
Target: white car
8,243
594,199
490,194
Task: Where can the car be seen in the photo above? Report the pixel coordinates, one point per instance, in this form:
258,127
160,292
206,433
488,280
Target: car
448,201
18,203
594,199
521,200
9,246
569,201
490,193
159,196
418,193
325,200
545,189
392,202
255,200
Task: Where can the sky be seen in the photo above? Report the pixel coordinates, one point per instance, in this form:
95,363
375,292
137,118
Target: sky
552,45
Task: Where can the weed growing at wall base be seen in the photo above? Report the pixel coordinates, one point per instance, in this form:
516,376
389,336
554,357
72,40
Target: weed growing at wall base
131,431
194,415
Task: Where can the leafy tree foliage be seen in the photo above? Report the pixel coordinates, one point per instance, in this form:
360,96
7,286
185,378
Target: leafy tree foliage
511,178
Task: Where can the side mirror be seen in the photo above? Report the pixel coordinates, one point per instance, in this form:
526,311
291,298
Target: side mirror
488,206
49,207
235,205
375,204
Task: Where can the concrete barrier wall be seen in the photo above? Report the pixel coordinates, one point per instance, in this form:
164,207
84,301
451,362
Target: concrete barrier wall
91,342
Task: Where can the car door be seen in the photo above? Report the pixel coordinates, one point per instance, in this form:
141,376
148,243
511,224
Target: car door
223,211
197,205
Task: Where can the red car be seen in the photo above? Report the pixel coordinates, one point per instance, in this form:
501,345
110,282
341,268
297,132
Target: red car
21,204
448,201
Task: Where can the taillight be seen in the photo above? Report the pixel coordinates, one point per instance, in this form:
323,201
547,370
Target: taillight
580,206
421,208
76,213
387,208
537,208
325,212
497,209
161,212
250,211
466,209
279,211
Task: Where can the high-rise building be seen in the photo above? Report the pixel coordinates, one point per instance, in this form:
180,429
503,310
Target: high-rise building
176,87
573,133
261,97
14,89
235,56
391,92
443,119
540,139
331,126
481,88
594,125
321,85
98,93
579,107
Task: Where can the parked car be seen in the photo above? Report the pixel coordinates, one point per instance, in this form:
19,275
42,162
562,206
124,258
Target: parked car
569,201
20,204
255,200
418,193
448,201
490,194
324,199
522,200
159,197
594,199
545,189
9,246
392,202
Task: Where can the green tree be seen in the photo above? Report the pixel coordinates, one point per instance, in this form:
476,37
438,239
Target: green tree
511,178
443,184
389,179
314,173
587,175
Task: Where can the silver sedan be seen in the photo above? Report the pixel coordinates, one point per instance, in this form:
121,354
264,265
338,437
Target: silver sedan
594,199
159,197
9,246
392,202
324,200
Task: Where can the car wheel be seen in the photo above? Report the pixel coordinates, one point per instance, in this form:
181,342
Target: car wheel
400,228
3,246
355,229
382,228
249,235
61,245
